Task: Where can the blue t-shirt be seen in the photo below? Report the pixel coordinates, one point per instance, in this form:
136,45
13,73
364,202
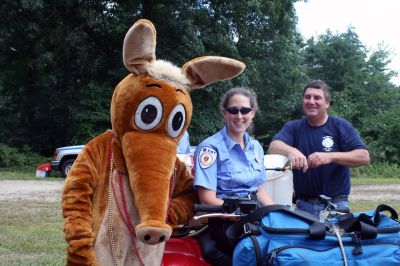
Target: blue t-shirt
222,166
336,135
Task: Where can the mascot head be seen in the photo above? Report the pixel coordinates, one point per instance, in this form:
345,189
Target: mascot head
150,110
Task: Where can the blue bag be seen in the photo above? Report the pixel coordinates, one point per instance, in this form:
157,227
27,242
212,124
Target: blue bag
286,236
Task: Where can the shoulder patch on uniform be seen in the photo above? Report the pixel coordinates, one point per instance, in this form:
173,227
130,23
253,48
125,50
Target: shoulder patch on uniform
207,157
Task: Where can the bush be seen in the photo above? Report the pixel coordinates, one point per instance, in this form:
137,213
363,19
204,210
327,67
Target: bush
377,170
12,157
381,132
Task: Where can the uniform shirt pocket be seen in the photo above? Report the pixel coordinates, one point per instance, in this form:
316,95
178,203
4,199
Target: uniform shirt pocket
227,175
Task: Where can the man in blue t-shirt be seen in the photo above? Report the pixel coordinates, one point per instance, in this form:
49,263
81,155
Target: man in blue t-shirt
321,149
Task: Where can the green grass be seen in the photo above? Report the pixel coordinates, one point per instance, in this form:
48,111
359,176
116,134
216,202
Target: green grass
31,233
365,205
377,170
26,174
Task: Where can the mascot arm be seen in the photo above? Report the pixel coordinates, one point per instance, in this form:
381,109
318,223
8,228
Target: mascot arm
184,197
77,208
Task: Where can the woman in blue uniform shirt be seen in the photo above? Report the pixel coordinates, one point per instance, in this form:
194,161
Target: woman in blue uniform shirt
229,163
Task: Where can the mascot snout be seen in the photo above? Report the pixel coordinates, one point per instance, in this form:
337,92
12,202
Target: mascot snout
150,181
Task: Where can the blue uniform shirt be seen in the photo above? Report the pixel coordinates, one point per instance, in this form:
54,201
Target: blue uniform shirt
184,144
336,135
222,166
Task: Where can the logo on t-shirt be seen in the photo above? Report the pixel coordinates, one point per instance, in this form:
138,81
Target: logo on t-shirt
207,157
327,143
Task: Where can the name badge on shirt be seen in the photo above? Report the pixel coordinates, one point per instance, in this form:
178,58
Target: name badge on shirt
207,157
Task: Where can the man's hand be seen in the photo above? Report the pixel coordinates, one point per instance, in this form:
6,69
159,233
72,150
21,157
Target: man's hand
299,161
317,159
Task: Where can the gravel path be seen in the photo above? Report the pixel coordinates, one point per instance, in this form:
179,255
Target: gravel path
374,192
51,190
31,190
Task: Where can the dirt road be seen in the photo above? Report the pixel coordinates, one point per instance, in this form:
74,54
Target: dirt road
51,190
374,192
30,190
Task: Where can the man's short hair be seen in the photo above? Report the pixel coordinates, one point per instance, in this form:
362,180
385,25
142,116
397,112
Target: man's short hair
319,84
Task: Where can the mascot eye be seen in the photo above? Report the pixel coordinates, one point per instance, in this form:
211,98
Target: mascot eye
176,120
148,113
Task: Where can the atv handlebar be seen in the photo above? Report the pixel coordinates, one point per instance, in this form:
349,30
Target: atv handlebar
232,207
208,208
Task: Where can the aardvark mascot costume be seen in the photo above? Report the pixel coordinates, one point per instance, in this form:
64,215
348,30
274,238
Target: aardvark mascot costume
127,189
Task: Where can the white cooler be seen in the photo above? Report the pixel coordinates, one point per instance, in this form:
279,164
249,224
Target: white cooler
279,185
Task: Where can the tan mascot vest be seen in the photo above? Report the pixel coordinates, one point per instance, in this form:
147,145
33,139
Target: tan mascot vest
127,189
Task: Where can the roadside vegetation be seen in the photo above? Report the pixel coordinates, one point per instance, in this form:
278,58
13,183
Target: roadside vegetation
377,170
20,160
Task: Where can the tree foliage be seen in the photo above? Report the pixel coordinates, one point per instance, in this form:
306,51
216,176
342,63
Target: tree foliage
61,60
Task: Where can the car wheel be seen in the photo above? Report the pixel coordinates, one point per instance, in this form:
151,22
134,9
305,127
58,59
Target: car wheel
66,167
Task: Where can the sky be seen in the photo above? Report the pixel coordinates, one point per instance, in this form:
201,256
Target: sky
374,21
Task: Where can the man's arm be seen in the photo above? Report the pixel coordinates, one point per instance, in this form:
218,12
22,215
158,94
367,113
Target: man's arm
299,161
354,158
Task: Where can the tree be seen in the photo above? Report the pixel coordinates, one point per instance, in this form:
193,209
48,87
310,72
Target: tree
61,63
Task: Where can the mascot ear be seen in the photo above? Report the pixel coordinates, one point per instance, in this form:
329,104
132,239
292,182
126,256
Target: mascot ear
139,46
205,70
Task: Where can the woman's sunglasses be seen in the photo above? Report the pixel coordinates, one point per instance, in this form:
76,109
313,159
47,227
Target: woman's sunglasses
235,110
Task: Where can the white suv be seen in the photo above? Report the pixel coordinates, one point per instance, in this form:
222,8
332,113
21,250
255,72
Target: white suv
64,157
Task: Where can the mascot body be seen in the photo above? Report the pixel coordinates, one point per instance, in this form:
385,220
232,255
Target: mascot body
127,189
